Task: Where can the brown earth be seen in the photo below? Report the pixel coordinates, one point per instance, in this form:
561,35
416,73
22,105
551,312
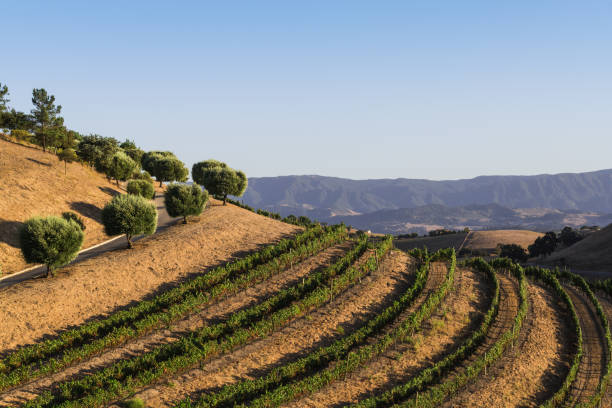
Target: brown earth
508,309
593,363
316,329
606,304
212,314
535,367
488,240
97,286
33,183
459,314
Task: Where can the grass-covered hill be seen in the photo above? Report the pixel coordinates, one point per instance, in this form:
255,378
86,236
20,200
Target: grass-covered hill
34,183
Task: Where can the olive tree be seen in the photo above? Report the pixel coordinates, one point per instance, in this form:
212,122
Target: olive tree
219,179
121,167
182,200
142,188
130,215
164,166
52,241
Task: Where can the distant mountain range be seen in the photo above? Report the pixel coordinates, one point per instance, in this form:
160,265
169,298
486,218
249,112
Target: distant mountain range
406,205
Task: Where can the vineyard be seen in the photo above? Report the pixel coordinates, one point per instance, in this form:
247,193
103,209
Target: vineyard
329,318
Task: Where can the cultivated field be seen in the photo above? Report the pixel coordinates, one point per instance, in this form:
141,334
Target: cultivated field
302,318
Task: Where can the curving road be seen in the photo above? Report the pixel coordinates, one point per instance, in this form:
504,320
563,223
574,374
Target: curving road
163,222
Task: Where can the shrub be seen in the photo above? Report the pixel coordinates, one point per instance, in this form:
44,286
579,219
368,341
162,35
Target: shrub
142,188
134,403
23,135
182,200
67,156
142,175
513,251
130,215
70,216
52,241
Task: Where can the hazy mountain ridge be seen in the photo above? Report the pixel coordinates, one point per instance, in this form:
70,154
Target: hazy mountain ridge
385,205
590,191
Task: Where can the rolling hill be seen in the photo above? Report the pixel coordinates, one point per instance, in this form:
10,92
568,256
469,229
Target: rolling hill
34,183
592,253
327,196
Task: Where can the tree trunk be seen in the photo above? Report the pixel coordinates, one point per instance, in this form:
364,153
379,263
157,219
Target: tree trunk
185,219
65,167
129,240
48,275
160,183
225,199
117,180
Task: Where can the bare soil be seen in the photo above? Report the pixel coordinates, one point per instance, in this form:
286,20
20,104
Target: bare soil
458,316
208,315
40,308
316,329
606,304
593,362
535,367
508,308
33,183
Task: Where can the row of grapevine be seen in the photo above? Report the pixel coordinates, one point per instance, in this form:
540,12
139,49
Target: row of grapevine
77,344
327,364
435,395
434,373
122,378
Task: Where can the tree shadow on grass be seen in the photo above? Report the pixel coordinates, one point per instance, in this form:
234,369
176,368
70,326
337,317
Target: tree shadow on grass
39,162
9,232
111,192
86,210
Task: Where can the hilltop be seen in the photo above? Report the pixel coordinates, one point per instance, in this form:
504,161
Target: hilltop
34,183
592,253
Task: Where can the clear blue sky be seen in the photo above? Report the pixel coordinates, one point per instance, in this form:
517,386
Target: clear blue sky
359,89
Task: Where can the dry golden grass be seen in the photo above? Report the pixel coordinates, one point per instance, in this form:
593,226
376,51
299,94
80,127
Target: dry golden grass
101,284
490,239
33,183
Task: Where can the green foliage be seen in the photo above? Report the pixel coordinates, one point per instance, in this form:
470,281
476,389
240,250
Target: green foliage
545,245
3,98
52,241
22,135
97,151
134,403
17,120
130,148
219,179
67,156
45,115
513,251
142,175
170,169
164,166
569,236
70,216
183,200
121,166
142,188
130,215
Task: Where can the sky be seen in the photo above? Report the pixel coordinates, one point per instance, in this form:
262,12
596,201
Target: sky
357,89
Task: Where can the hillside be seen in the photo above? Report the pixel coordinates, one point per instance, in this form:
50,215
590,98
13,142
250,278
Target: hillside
33,183
435,216
325,196
489,240
592,253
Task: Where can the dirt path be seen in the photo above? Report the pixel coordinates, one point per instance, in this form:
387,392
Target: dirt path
536,366
508,309
606,303
459,314
209,315
593,360
41,308
318,328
